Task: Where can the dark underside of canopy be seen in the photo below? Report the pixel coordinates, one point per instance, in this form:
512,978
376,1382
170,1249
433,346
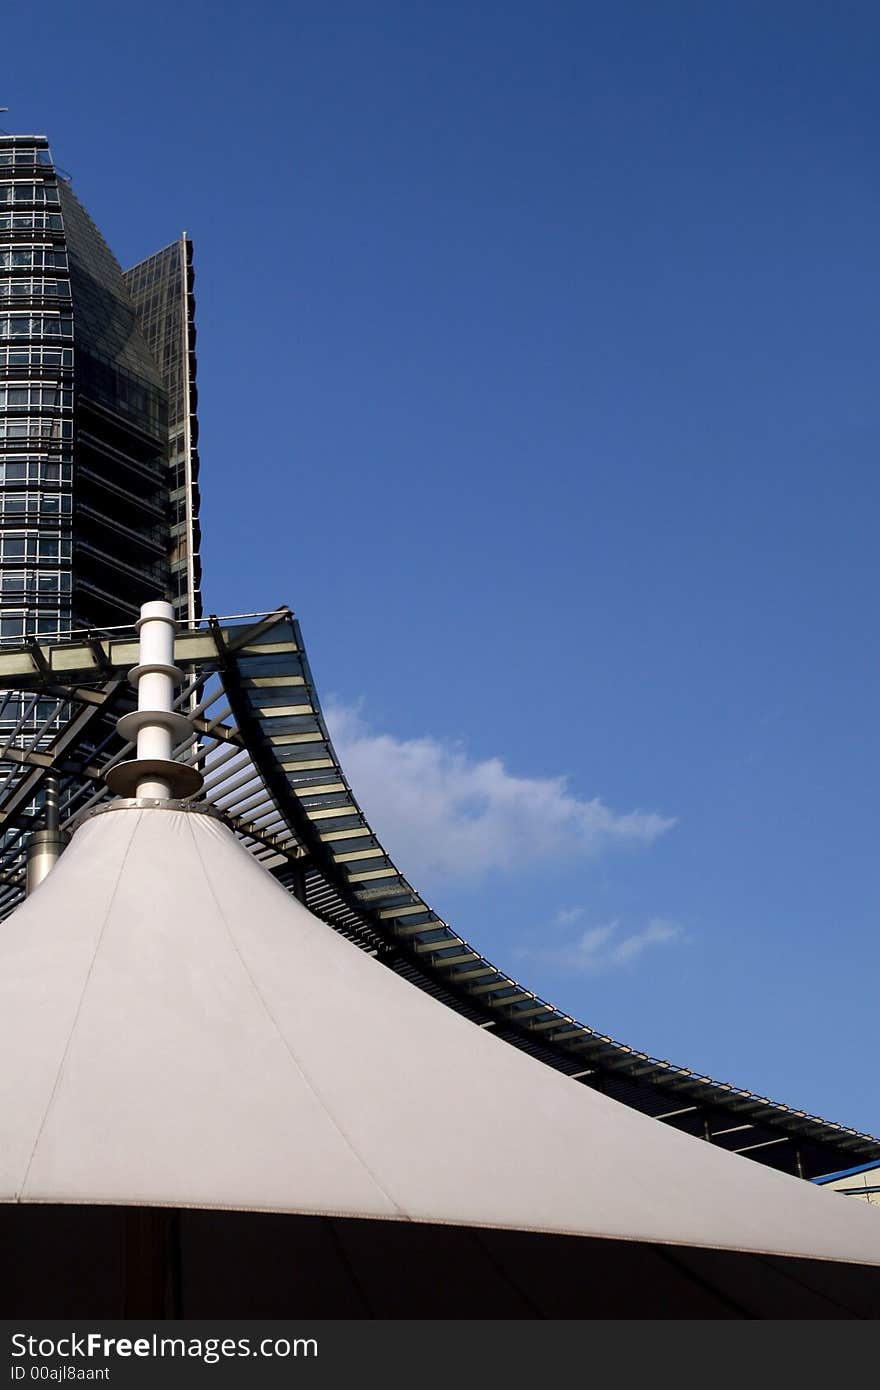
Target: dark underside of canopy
81,1261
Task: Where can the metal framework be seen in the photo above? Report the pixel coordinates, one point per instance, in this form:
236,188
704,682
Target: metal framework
271,770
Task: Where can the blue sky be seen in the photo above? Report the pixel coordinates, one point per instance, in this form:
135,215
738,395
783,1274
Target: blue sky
538,373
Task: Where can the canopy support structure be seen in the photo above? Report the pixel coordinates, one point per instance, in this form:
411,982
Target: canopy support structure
45,847
155,725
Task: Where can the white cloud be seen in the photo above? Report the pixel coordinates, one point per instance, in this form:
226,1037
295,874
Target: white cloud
441,812
603,947
566,915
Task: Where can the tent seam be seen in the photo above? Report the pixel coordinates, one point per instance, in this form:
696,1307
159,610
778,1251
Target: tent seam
86,982
348,1141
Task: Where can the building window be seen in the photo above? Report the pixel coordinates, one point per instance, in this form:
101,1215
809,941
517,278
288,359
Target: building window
26,393
53,549
25,154
36,357
34,289
32,258
29,192
18,468
36,326
15,221
39,587
10,428
46,504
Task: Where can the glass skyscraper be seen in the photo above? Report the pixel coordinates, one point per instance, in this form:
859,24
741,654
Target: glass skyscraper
161,290
98,432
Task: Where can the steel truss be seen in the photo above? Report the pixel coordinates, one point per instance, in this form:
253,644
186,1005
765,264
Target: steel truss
270,768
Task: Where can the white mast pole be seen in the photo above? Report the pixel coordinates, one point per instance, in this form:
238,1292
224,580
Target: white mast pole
155,724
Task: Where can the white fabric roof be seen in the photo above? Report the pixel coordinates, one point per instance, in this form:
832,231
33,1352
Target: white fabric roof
176,1030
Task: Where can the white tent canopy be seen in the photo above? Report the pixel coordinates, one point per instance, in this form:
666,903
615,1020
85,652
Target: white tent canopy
177,1031
185,1033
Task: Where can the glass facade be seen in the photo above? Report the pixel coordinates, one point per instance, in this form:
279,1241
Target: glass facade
98,505
162,291
36,397
98,430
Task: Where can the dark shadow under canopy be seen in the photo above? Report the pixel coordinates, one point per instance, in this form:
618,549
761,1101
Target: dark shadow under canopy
110,1262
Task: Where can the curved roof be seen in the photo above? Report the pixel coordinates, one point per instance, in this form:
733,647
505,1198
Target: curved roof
180,1032
273,771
